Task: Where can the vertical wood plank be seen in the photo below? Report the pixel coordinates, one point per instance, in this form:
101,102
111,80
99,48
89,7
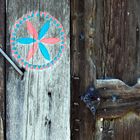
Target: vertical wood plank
82,65
117,40
117,55
38,107
2,69
1,130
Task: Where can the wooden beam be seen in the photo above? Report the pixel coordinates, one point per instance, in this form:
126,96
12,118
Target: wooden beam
117,98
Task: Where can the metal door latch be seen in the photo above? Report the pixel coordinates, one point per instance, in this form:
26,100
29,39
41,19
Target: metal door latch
11,62
92,99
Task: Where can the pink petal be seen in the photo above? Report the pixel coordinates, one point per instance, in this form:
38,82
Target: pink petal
32,51
32,30
50,40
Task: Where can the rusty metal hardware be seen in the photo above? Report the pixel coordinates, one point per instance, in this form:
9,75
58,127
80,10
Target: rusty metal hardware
92,99
112,97
11,62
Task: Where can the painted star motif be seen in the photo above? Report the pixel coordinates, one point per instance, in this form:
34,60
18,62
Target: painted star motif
38,40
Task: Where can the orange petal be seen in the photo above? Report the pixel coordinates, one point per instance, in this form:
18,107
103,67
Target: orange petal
32,30
50,40
32,51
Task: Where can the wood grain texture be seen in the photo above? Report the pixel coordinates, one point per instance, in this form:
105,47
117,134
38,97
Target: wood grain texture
123,128
117,99
117,40
1,130
82,67
38,107
106,32
2,69
117,55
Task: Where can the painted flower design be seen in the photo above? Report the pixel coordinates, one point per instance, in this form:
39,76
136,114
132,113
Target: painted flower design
38,40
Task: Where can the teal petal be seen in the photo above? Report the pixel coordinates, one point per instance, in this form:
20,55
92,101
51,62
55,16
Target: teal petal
26,40
44,29
44,51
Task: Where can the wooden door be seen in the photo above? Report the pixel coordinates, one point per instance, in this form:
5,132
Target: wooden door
105,44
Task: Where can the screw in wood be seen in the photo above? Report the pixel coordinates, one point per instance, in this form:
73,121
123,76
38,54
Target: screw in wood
81,36
114,98
101,129
76,104
101,119
75,77
128,13
77,120
76,129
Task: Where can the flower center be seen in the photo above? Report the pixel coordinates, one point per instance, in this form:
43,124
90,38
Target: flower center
38,41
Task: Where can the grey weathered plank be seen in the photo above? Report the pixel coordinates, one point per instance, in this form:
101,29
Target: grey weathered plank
2,69
1,129
38,107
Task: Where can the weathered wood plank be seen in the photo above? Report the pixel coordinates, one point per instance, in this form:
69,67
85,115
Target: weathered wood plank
123,128
117,98
38,107
111,41
82,67
2,69
117,40
117,56
1,130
